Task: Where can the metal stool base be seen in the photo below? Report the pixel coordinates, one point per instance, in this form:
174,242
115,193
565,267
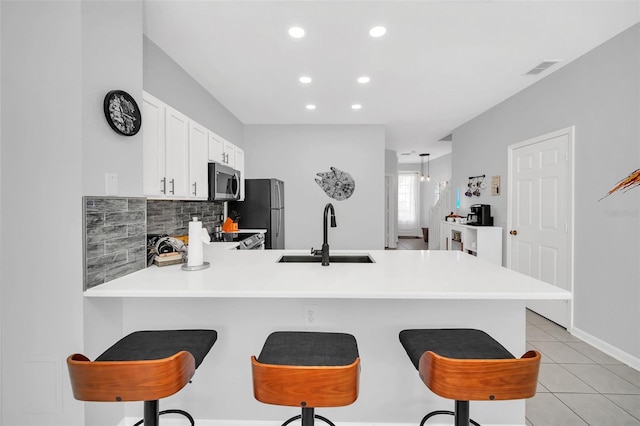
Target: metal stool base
308,417
461,415
151,418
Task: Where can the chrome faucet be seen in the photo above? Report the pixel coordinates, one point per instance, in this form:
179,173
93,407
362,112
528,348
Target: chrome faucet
325,244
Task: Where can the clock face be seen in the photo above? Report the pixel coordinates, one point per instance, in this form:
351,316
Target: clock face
122,112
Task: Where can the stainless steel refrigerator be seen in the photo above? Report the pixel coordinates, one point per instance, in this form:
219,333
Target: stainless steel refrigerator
263,208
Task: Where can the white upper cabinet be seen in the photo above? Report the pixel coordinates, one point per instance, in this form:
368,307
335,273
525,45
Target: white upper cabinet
153,151
229,154
176,153
216,148
239,165
198,153
222,151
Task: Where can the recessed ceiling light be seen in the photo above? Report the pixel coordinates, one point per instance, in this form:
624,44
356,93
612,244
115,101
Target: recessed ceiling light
364,79
296,32
310,106
305,79
377,31
356,106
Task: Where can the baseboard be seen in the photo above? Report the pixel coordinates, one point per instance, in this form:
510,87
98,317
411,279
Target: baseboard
608,349
129,421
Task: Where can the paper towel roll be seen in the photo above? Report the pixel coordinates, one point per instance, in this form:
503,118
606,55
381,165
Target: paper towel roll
195,257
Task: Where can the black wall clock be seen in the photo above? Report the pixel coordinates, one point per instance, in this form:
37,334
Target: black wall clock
122,112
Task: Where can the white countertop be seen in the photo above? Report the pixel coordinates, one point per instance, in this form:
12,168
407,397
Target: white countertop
396,274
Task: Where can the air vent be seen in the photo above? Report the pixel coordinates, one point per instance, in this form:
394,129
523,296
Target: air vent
543,66
447,138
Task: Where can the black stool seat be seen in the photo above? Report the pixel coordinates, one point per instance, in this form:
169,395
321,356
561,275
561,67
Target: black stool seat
459,343
309,349
308,370
466,364
143,366
159,344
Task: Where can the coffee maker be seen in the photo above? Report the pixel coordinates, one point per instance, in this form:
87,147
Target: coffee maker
480,215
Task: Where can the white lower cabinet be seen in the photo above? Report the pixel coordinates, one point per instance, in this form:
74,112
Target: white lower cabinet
482,241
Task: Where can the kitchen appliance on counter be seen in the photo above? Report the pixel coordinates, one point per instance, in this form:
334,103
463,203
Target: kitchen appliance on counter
263,208
224,183
254,242
480,215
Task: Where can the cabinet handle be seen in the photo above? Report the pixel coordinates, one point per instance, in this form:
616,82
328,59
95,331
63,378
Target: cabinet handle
513,232
164,185
195,191
173,186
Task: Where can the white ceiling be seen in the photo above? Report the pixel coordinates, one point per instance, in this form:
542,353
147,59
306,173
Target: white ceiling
440,64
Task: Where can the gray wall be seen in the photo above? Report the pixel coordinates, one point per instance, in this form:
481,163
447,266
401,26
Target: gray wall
170,83
391,173
110,60
41,175
295,154
58,61
599,95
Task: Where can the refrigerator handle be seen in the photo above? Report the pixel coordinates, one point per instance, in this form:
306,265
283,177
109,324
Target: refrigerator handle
280,206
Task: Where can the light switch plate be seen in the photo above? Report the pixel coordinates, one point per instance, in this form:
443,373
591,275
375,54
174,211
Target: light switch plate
111,183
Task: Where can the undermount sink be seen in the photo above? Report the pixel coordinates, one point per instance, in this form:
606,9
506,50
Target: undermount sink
340,258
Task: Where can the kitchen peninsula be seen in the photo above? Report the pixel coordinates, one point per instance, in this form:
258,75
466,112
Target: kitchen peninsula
245,295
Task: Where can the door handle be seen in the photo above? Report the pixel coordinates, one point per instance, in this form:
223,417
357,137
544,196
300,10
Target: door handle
513,232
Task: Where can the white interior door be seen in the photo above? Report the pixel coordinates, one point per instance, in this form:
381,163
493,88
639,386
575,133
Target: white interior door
540,194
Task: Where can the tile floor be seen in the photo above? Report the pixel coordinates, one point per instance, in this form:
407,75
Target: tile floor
411,243
578,385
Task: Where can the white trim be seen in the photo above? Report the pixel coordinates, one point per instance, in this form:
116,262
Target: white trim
570,132
129,421
624,357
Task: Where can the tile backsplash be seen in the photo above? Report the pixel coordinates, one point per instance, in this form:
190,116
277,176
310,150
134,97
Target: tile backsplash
115,231
115,237
172,217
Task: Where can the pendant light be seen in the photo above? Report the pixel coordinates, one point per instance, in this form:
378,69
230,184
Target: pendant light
422,167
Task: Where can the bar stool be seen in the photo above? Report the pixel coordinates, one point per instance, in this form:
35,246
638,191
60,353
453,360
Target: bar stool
143,366
308,370
469,365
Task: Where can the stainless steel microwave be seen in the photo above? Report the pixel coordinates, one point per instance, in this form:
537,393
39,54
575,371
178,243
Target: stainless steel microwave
224,183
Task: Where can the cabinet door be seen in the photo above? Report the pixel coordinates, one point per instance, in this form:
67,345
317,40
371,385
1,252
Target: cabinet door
216,148
198,146
177,153
239,165
153,146
230,154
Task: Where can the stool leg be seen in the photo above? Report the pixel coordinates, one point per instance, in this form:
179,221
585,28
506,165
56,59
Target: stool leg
461,413
151,414
307,416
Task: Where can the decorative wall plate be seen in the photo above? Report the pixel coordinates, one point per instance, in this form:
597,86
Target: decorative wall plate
122,112
336,184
